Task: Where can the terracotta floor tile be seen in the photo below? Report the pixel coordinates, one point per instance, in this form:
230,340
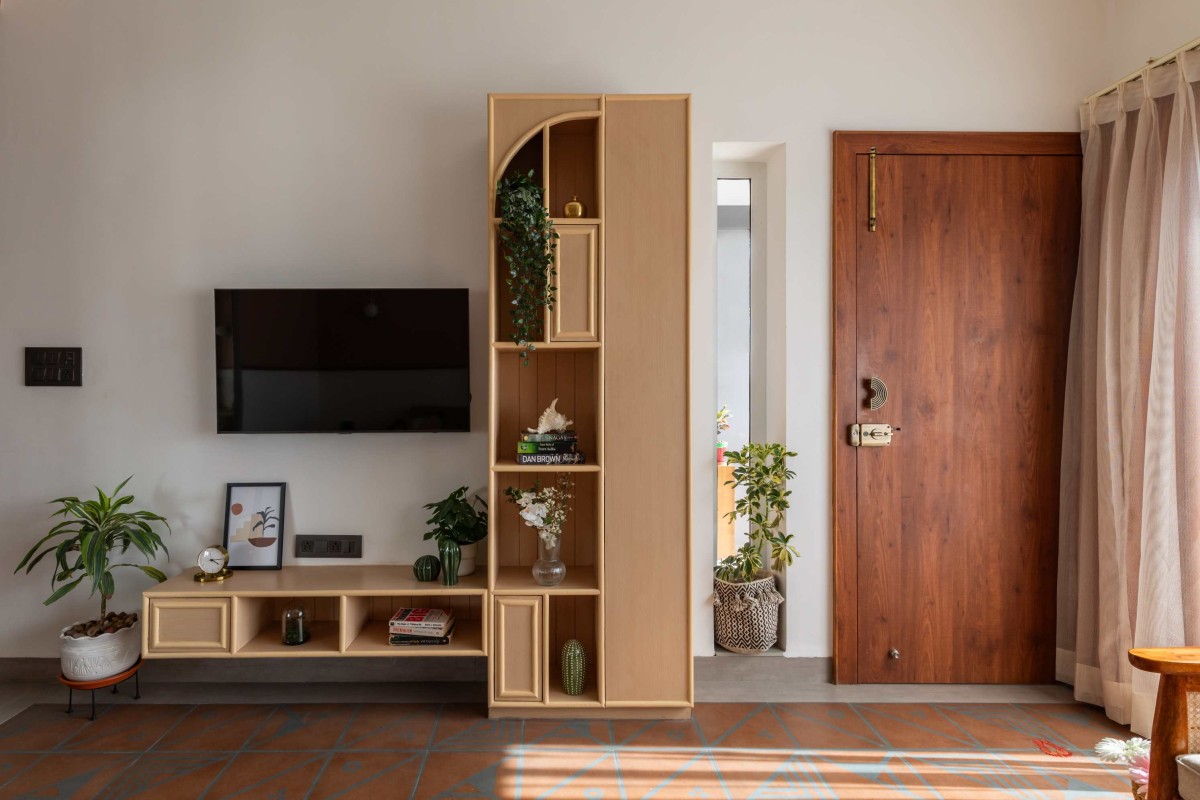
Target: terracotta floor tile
1076,725
133,728
818,725
390,726
277,776
567,733
665,733
742,725
12,763
303,726
215,727
581,773
67,775
920,725
40,728
855,775
999,725
1067,778
369,776
466,727
160,775
762,773
473,773
676,775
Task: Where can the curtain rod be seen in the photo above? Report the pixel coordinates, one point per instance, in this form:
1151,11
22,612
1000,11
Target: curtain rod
1153,63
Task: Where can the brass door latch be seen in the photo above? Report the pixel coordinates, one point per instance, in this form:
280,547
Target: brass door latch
873,434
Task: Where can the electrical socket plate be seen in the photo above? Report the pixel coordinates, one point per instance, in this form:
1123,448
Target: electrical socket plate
329,546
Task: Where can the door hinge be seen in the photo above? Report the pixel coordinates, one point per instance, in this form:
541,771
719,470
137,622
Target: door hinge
871,218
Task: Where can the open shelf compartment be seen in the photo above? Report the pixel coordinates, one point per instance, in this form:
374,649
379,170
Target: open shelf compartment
366,618
572,618
524,392
516,544
258,627
574,157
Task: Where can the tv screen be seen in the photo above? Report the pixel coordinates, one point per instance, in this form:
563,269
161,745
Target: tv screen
342,360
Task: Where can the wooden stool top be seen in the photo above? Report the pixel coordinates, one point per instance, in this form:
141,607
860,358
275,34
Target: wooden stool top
100,683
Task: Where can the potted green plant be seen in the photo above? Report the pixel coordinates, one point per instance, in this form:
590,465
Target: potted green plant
724,422
528,241
747,600
458,525
88,545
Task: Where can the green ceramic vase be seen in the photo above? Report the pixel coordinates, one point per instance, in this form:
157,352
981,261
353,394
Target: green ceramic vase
574,667
451,558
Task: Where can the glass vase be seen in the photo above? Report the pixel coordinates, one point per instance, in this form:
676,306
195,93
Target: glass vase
549,570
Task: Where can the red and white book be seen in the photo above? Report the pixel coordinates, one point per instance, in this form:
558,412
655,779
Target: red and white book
420,621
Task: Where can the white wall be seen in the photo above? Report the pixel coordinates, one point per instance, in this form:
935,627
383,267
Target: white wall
150,151
1138,30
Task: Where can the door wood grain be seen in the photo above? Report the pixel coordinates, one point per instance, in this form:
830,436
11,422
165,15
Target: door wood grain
946,541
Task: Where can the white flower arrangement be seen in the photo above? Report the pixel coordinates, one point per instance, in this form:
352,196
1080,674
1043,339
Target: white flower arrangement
544,510
1134,754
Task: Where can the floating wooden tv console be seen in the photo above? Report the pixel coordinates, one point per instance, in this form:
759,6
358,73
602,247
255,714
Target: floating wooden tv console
349,607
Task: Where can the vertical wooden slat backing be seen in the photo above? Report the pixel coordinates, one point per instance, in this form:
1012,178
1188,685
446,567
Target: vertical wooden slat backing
646,497
524,392
517,542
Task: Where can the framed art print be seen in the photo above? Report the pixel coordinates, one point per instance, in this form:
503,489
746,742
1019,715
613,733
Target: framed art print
254,525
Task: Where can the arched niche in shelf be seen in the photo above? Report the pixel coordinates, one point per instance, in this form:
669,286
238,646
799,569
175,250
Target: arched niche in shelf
564,154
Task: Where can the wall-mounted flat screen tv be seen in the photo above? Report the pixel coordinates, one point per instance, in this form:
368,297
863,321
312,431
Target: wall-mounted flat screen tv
342,360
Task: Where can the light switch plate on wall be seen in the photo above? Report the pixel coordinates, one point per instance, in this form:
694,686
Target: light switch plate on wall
329,546
53,366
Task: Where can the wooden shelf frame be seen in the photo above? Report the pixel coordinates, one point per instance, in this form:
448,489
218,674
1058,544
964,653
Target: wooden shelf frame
347,608
585,397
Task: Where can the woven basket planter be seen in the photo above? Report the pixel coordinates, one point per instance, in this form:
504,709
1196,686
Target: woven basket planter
747,614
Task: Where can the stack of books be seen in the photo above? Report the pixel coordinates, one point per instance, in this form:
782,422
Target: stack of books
420,627
549,448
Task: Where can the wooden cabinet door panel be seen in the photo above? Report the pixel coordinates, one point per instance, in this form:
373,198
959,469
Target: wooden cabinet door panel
647,602
188,625
576,260
518,650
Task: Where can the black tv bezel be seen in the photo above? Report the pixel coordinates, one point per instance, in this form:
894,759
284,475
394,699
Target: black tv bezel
466,332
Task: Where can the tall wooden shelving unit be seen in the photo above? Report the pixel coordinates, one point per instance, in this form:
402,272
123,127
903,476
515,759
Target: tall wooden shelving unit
562,140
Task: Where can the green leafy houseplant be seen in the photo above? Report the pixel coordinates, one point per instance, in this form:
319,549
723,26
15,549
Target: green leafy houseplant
761,471
86,543
458,519
529,241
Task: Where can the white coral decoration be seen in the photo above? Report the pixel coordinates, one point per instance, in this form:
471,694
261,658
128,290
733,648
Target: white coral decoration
552,421
1120,751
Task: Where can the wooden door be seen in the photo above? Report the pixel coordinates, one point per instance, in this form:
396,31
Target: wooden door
959,302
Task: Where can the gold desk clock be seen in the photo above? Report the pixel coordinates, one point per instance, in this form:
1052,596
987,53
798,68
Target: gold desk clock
213,563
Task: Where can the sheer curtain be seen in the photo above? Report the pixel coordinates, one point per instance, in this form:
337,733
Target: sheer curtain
1129,565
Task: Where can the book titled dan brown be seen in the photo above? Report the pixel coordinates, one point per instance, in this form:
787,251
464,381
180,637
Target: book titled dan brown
550,459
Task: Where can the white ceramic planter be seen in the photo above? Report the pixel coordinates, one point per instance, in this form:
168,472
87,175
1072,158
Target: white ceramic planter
90,659
467,565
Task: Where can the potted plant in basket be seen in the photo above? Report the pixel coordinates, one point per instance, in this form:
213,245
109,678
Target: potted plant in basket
528,238
86,546
459,525
747,602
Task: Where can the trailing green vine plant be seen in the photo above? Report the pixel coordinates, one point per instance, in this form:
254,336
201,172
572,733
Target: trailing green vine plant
761,471
528,242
